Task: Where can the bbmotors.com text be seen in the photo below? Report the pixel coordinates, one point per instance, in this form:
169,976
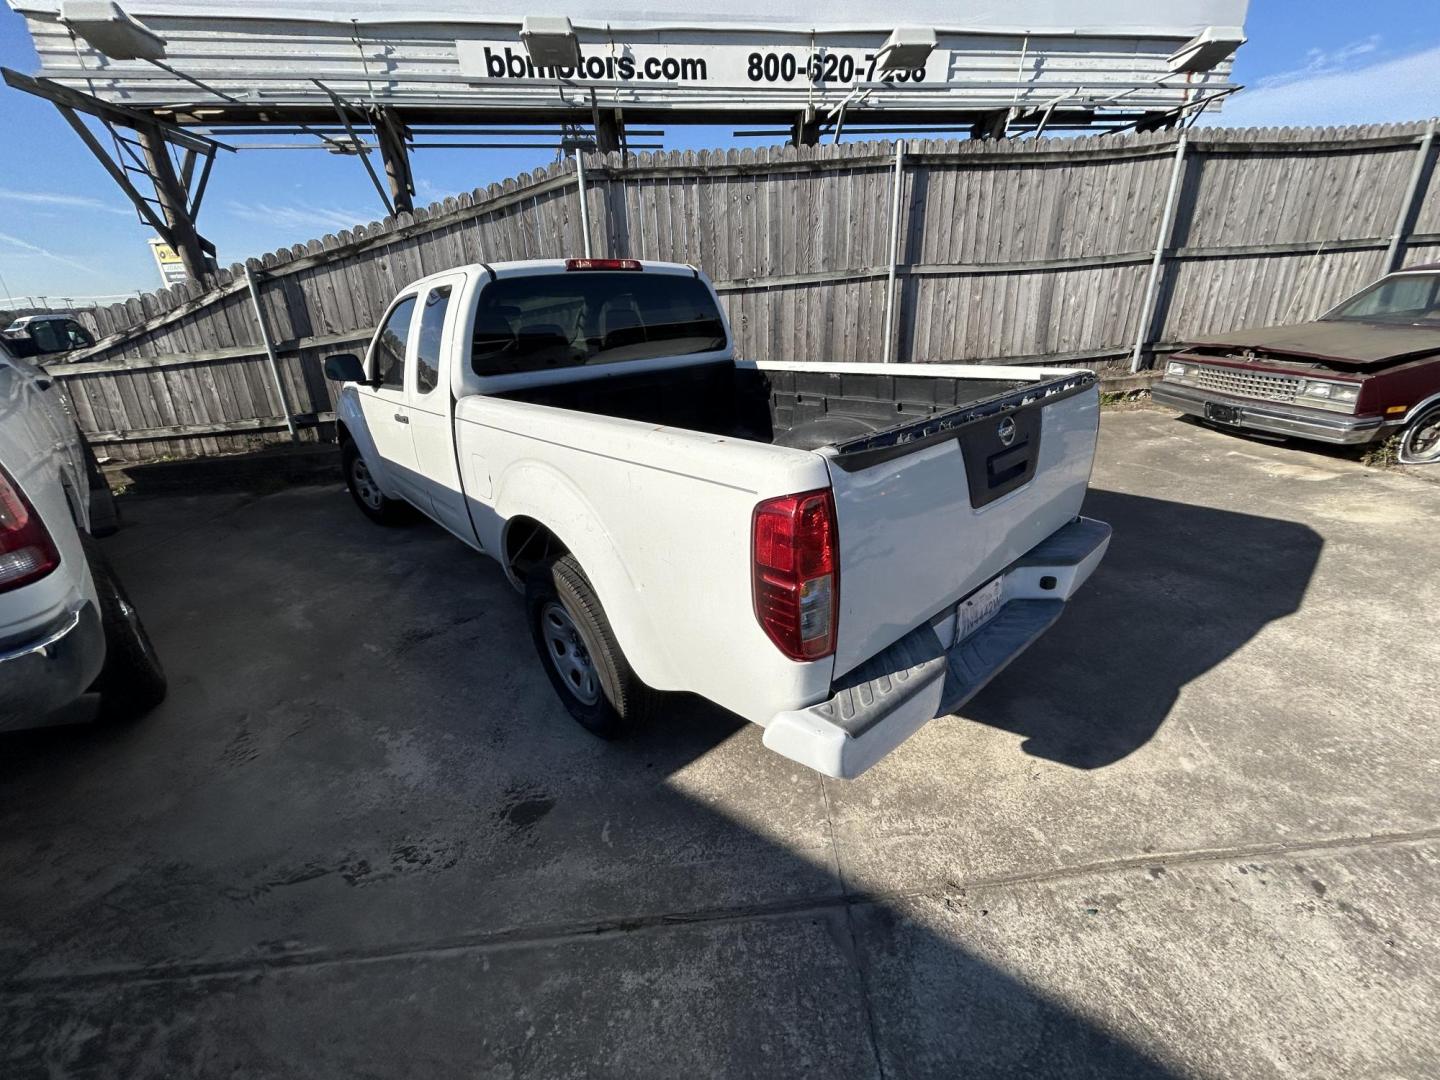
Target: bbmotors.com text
512,65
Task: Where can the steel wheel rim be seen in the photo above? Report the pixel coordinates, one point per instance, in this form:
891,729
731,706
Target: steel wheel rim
1422,442
569,653
364,483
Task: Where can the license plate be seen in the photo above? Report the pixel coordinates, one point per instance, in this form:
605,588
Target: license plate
979,609
1222,414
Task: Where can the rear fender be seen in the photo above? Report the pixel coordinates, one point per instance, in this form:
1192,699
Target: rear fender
535,490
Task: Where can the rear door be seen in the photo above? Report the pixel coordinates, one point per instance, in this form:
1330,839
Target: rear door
387,412
929,521
431,405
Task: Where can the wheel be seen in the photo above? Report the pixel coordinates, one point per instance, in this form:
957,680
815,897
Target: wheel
1420,444
132,682
580,655
366,492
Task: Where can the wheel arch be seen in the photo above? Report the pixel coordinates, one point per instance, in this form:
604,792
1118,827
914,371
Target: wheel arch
1416,414
542,507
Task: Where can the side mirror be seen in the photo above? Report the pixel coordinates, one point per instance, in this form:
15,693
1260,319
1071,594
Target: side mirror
344,367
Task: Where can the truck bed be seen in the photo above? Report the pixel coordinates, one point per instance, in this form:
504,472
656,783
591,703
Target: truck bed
785,406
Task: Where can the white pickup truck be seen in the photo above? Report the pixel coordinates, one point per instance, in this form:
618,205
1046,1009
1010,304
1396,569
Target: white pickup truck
838,552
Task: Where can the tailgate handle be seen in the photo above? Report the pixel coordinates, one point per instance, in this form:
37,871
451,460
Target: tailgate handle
1008,464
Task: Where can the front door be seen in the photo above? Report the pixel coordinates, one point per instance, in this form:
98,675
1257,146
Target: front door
387,415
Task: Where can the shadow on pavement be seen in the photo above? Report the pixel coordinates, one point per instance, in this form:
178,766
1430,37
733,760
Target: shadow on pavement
362,839
1181,589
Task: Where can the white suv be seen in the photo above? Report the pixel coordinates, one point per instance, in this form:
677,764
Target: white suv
66,626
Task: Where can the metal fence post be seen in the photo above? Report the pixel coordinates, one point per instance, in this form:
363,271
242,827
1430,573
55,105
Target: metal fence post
1394,252
270,351
584,207
1162,241
896,186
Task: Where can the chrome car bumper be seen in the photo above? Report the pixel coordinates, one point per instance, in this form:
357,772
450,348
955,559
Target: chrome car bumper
1270,416
52,668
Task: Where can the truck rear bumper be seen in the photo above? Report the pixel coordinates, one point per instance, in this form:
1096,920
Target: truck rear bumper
1276,419
926,674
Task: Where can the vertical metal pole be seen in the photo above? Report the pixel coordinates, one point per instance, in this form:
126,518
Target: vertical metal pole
270,351
584,208
896,186
1162,241
1407,204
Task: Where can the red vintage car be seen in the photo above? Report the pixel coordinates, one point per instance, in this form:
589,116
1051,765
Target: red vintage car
1365,371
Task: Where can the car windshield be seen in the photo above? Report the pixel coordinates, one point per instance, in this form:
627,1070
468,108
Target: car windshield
580,317
1402,299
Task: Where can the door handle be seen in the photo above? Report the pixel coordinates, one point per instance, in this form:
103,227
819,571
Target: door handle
402,418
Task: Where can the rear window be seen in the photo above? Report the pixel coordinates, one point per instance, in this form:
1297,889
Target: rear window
591,317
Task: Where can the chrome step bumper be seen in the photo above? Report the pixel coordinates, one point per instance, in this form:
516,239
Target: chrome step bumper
884,701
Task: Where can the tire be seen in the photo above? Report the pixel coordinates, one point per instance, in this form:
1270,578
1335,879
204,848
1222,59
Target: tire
580,655
132,682
366,493
104,514
1420,442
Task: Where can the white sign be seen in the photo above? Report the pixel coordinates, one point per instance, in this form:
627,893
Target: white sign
700,65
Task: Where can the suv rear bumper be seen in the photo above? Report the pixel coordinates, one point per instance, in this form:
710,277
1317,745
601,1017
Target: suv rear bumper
52,668
884,701
1272,417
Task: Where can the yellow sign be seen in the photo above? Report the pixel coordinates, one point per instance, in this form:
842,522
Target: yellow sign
167,261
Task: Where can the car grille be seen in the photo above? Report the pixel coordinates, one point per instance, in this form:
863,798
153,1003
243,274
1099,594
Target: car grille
1250,384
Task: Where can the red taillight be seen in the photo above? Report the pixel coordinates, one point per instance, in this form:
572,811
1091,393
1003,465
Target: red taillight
603,264
26,551
796,573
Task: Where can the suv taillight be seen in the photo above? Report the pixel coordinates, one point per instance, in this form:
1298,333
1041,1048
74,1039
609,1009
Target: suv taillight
796,573
26,551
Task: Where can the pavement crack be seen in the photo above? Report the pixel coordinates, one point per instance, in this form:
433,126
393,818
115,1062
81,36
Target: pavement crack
851,945
573,932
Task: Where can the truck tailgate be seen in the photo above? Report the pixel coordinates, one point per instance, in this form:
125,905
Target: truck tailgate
930,511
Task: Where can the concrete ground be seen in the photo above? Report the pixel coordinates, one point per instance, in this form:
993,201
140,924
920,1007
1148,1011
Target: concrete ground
1193,832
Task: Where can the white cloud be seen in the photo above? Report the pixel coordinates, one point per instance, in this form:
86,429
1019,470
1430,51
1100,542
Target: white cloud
1325,62
300,216
25,248
1327,92
51,198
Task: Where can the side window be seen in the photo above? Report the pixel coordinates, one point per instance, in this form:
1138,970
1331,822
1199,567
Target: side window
390,345
79,337
46,335
427,353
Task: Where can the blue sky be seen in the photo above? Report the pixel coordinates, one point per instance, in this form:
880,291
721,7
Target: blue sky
66,231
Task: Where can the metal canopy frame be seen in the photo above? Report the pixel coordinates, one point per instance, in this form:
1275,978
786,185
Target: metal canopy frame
172,209
162,115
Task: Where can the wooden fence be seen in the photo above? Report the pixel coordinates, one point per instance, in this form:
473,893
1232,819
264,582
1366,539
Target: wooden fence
1088,251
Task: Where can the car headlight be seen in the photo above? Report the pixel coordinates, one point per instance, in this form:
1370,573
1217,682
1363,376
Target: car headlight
1178,371
1327,395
